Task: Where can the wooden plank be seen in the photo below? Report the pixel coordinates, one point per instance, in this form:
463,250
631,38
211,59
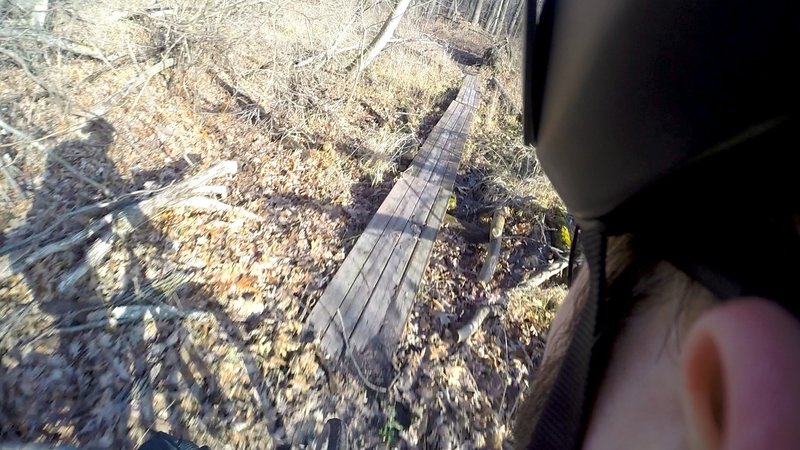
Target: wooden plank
397,312
362,272
469,98
362,286
325,309
470,84
462,94
472,97
372,265
375,311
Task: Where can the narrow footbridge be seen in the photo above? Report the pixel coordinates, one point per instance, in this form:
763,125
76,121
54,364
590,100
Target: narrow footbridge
368,301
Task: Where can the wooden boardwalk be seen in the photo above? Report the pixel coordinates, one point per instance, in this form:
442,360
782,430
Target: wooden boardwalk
369,298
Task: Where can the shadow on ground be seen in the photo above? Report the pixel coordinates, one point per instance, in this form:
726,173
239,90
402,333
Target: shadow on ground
97,365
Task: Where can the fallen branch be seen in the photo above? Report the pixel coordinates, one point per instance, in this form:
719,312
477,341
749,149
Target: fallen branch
124,221
89,211
69,242
121,315
243,99
131,218
128,219
548,273
155,291
221,191
495,244
55,41
200,202
97,252
474,324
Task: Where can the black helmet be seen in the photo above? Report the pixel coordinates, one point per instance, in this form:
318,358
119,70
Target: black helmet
672,121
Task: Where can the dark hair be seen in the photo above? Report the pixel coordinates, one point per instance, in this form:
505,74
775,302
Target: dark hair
636,280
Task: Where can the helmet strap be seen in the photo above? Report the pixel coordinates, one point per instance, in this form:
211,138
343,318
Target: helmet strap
562,423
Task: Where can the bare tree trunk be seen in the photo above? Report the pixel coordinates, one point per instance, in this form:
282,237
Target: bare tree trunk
498,25
495,9
39,14
383,36
498,14
36,9
454,5
517,15
477,14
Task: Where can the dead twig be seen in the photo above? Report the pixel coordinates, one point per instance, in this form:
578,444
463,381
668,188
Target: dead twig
120,315
55,41
24,66
360,373
103,107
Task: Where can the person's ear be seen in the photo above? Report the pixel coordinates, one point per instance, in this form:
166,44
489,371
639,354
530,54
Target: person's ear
741,366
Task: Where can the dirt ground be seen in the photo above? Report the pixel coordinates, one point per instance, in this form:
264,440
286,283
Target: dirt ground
192,323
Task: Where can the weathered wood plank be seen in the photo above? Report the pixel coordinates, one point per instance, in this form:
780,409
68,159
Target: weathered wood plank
463,90
325,310
375,311
397,312
359,292
467,88
374,289
358,295
471,99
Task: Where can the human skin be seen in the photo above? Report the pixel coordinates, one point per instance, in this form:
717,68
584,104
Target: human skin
697,374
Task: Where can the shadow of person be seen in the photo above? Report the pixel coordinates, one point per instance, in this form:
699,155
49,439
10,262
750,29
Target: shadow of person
52,216
102,371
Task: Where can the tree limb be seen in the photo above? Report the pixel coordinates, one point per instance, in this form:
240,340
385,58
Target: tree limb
540,278
495,244
474,324
126,220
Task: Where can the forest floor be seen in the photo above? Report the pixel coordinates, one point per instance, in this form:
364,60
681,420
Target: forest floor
191,320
